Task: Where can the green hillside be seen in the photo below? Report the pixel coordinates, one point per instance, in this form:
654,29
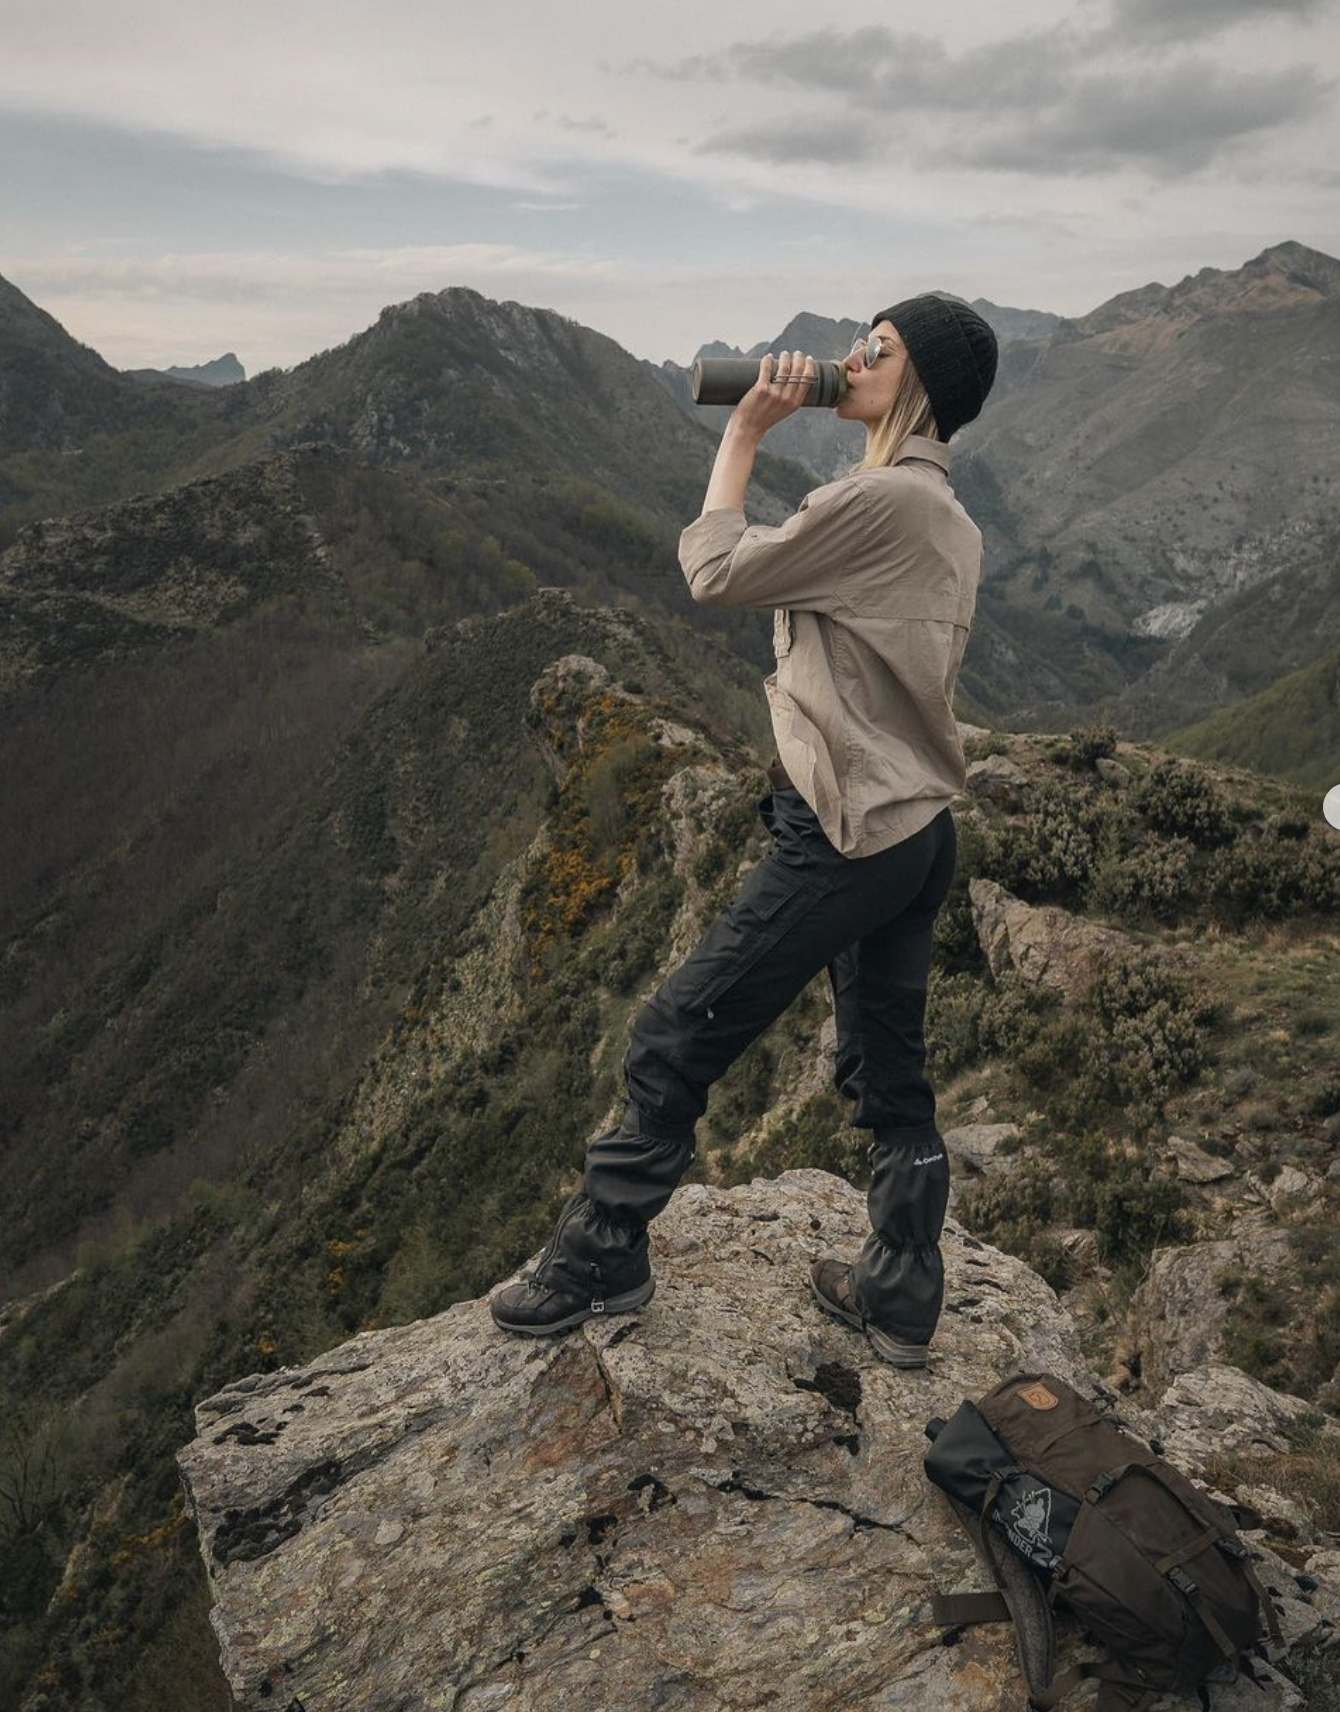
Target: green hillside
1290,731
339,1072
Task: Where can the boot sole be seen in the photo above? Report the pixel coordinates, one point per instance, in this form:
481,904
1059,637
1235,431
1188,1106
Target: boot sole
624,1304
889,1349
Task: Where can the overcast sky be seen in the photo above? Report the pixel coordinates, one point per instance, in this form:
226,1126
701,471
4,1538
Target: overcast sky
181,178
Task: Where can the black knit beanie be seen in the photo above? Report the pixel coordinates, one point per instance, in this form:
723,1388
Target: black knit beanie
953,351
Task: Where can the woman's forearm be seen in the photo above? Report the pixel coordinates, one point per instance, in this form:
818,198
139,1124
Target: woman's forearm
731,471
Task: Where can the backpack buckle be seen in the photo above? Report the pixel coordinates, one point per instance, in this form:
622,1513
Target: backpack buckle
598,1299
1102,1485
1183,1582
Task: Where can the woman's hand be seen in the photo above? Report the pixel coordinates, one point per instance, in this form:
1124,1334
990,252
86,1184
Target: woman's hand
774,396
779,391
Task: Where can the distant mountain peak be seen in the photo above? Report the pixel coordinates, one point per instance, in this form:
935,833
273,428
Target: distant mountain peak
221,371
1312,269
1286,275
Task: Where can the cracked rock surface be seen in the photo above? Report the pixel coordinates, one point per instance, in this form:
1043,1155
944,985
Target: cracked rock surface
717,1502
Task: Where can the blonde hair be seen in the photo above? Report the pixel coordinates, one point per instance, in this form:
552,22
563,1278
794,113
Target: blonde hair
910,413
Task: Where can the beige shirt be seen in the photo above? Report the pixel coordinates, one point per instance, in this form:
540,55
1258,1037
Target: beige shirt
874,579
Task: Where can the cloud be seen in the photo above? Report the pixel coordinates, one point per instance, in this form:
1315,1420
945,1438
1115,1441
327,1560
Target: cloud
565,123
1036,104
398,273
1159,21
1172,121
885,71
798,141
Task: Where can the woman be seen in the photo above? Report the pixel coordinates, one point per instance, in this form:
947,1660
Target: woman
874,583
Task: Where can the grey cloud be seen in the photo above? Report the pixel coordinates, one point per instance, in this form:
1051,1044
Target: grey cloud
1174,121
877,68
569,124
1036,102
698,68
788,142
1161,21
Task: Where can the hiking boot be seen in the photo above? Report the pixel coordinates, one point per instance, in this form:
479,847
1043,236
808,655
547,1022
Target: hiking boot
592,1264
537,1307
830,1284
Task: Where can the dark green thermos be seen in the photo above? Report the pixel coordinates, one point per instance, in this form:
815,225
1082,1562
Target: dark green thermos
725,380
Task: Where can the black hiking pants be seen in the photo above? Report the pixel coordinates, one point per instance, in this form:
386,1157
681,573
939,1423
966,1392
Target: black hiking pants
804,908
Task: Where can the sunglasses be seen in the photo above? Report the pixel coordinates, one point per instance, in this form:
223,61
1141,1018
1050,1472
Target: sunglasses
874,348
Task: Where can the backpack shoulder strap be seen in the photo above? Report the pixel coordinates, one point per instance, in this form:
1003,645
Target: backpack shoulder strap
1019,1598
958,1610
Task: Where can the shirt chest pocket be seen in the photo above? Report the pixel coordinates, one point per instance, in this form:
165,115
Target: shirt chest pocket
782,632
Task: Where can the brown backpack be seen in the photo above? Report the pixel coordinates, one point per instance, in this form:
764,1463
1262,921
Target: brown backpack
1065,1506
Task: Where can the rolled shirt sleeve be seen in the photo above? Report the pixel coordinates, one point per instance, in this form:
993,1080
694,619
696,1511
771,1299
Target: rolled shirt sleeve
805,562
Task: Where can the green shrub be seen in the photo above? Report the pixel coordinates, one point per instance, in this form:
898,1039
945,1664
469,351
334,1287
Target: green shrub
953,1029
1051,851
1266,878
1157,878
1182,800
1122,1049
1084,1181
816,1137
956,945
1093,743
1130,1209
1149,1038
606,790
1285,1330
1016,1018
1013,1212
1324,1098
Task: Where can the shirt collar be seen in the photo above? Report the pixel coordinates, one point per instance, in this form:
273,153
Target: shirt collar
920,446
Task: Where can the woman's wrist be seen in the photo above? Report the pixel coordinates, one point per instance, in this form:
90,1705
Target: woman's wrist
741,432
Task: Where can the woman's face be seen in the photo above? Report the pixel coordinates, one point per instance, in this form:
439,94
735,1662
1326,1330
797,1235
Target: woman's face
870,392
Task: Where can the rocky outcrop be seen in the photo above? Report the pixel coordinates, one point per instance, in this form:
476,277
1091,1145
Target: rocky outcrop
1194,1165
1044,945
1216,1409
981,1148
1181,1306
716,1502
997,779
559,700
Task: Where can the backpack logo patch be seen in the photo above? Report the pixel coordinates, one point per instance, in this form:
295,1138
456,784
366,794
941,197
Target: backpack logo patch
1031,1517
1037,1396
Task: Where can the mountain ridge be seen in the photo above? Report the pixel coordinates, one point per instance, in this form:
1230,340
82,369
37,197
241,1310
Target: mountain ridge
1121,489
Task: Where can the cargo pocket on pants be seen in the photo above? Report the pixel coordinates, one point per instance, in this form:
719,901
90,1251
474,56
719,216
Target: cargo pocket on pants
772,901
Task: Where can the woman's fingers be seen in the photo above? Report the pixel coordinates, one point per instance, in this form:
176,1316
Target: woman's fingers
790,369
780,388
